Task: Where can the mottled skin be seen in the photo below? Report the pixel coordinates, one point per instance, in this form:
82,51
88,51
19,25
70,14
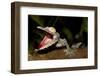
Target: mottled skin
56,40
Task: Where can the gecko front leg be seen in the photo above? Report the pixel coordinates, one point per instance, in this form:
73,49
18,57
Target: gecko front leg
68,51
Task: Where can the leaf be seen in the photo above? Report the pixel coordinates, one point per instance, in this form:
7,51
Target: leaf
84,27
67,32
38,20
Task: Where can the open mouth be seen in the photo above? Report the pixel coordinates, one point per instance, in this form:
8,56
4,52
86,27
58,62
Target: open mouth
47,39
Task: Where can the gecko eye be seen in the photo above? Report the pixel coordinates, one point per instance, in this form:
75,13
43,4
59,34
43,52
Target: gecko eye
52,29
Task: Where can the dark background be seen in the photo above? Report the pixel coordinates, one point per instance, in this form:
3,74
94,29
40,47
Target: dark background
74,29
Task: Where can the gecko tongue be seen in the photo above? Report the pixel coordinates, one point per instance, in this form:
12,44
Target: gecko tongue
45,41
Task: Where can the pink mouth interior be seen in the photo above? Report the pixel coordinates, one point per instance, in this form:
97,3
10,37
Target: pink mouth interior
45,41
